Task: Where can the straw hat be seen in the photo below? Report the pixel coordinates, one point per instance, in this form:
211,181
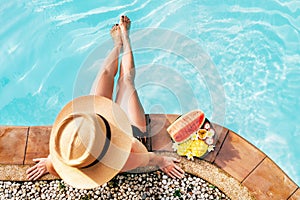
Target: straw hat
90,141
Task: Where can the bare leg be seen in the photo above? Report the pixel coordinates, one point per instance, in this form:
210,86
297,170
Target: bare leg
104,86
127,95
105,80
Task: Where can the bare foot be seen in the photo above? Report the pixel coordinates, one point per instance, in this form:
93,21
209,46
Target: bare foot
125,25
115,33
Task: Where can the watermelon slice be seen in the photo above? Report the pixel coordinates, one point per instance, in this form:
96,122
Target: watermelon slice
186,125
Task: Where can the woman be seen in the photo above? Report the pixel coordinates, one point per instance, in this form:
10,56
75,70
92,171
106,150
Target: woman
128,100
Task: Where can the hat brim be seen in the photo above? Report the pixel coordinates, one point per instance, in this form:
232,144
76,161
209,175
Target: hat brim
117,153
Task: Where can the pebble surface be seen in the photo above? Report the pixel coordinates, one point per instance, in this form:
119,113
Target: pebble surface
148,186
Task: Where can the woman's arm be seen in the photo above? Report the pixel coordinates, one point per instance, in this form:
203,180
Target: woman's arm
166,164
43,166
140,157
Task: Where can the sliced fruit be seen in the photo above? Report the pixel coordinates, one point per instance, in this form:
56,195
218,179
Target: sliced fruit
199,148
183,148
202,133
184,126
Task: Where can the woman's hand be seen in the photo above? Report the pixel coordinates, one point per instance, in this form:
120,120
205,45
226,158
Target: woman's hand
170,168
38,170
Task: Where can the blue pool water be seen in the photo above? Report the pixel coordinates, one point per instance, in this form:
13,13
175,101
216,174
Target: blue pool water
242,67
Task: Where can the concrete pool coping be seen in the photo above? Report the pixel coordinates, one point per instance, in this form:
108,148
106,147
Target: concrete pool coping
237,167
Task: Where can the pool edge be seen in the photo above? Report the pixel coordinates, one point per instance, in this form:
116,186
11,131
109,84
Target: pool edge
233,155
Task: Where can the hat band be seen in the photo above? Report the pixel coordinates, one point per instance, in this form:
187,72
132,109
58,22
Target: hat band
106,144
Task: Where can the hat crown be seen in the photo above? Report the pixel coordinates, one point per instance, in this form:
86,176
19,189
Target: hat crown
80,139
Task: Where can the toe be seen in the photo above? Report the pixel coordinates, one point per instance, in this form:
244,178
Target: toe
122,18
125,22
126,19
114,27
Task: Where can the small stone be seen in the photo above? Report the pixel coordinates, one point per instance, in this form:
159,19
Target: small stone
156,185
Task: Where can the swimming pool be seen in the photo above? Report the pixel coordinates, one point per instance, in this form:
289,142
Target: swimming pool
253,46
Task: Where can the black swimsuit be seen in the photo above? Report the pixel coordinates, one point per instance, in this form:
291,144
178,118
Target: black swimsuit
144,137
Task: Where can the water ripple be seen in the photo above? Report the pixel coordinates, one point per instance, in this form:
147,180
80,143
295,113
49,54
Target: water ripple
41,6
65,19
280,17
155,18
255,47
